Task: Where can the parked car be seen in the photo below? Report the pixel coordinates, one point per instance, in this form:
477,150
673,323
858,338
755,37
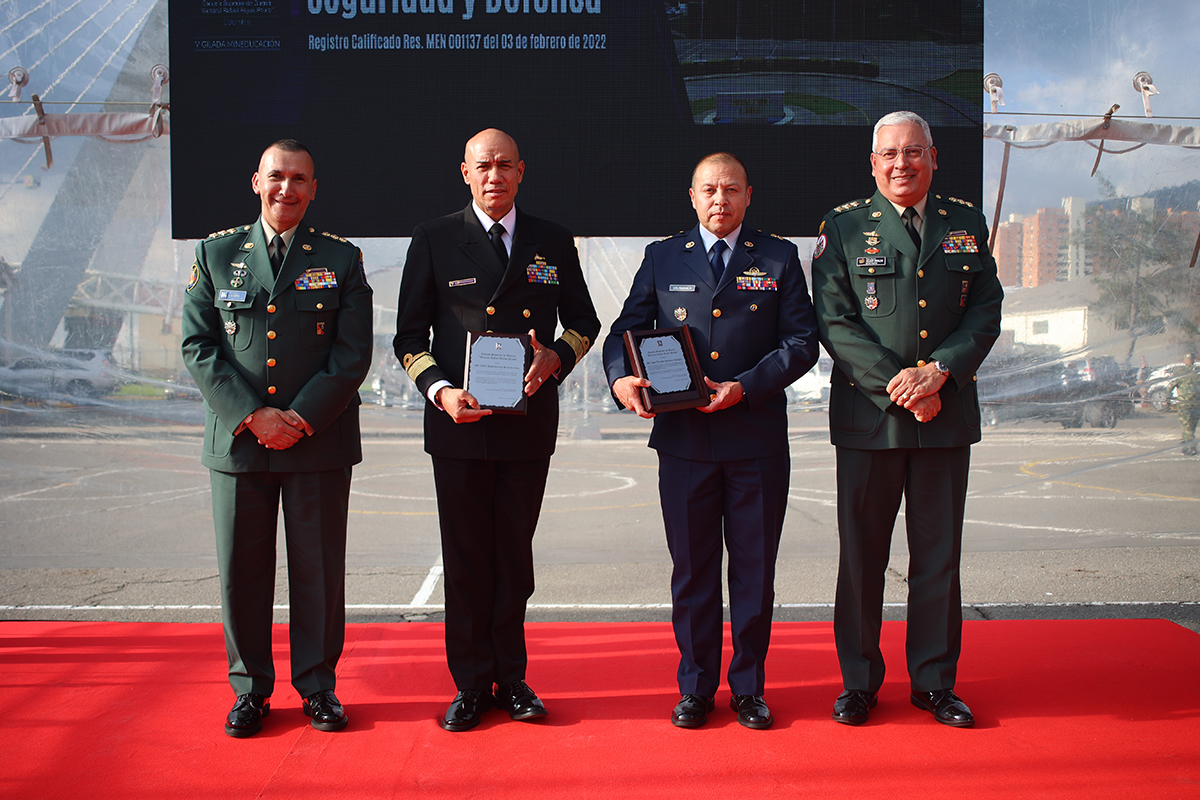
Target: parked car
1160,390
813,386
92,359
390,386
1096,391
51,374
181,387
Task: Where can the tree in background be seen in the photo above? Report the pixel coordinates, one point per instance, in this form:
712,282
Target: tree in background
1139,251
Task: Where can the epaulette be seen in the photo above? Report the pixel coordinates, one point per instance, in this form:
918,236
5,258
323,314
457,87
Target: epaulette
329,235
228,231
672,236
956,200
852,205
761,232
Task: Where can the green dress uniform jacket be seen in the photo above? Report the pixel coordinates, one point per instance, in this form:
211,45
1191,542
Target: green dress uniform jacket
301,341
882,307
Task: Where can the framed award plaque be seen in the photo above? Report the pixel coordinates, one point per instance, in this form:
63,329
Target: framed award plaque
495,370
667,358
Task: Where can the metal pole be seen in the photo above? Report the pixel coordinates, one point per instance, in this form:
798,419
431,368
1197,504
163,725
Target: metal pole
999,197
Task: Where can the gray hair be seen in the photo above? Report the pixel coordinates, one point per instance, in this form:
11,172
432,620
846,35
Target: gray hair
901,118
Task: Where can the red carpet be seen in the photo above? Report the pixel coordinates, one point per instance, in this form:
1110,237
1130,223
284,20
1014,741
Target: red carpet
1065,709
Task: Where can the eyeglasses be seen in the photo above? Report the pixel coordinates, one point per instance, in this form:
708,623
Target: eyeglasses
910,153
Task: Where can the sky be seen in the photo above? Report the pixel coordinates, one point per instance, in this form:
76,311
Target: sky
1056,57
1078,57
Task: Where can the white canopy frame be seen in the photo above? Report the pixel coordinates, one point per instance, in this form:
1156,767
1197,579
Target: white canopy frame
1095,132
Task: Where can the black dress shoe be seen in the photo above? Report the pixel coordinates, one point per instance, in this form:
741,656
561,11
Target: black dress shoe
853,706
326,711
246,716
946,707
692,711
466,710
752,711
519,701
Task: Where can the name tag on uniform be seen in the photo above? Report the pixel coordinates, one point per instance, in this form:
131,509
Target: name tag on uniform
232,295
683,287
317,278
461,282
878,261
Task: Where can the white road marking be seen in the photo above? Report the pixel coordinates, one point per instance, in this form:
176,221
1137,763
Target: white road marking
421,598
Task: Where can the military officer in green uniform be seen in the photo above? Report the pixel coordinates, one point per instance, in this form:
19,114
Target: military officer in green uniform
1187,395
908,306
277,335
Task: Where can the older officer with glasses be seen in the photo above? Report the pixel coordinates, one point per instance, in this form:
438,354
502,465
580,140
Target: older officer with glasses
908,305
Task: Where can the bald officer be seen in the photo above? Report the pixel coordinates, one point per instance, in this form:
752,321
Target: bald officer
490,267
723,469
277,335
909,306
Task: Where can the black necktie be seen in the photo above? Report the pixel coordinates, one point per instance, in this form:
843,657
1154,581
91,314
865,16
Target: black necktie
495,233
908,216
714,258
277,256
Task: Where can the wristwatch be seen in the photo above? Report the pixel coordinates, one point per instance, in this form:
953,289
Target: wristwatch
942,368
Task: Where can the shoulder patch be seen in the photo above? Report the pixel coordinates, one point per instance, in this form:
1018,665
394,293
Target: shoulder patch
819,248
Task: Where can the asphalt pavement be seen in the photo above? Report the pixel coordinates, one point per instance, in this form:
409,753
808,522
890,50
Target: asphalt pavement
105,515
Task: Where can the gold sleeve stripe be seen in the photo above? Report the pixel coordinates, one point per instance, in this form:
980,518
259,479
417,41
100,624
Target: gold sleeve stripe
414,365
580,344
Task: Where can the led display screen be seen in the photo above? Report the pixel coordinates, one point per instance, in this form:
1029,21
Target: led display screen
611,101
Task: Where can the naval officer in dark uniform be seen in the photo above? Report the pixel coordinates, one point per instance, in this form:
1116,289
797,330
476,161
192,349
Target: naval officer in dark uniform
724,468
490,267
277,335
909,305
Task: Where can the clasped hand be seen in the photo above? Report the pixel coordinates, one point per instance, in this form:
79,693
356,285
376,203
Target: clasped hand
277,428
916,389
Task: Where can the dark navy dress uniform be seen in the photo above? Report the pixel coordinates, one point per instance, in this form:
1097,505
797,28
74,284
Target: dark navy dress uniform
723,477
490,474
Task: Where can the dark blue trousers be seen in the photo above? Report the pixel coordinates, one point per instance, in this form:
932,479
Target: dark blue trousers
738,504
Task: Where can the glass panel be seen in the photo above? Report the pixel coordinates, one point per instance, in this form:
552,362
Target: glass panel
1082,396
